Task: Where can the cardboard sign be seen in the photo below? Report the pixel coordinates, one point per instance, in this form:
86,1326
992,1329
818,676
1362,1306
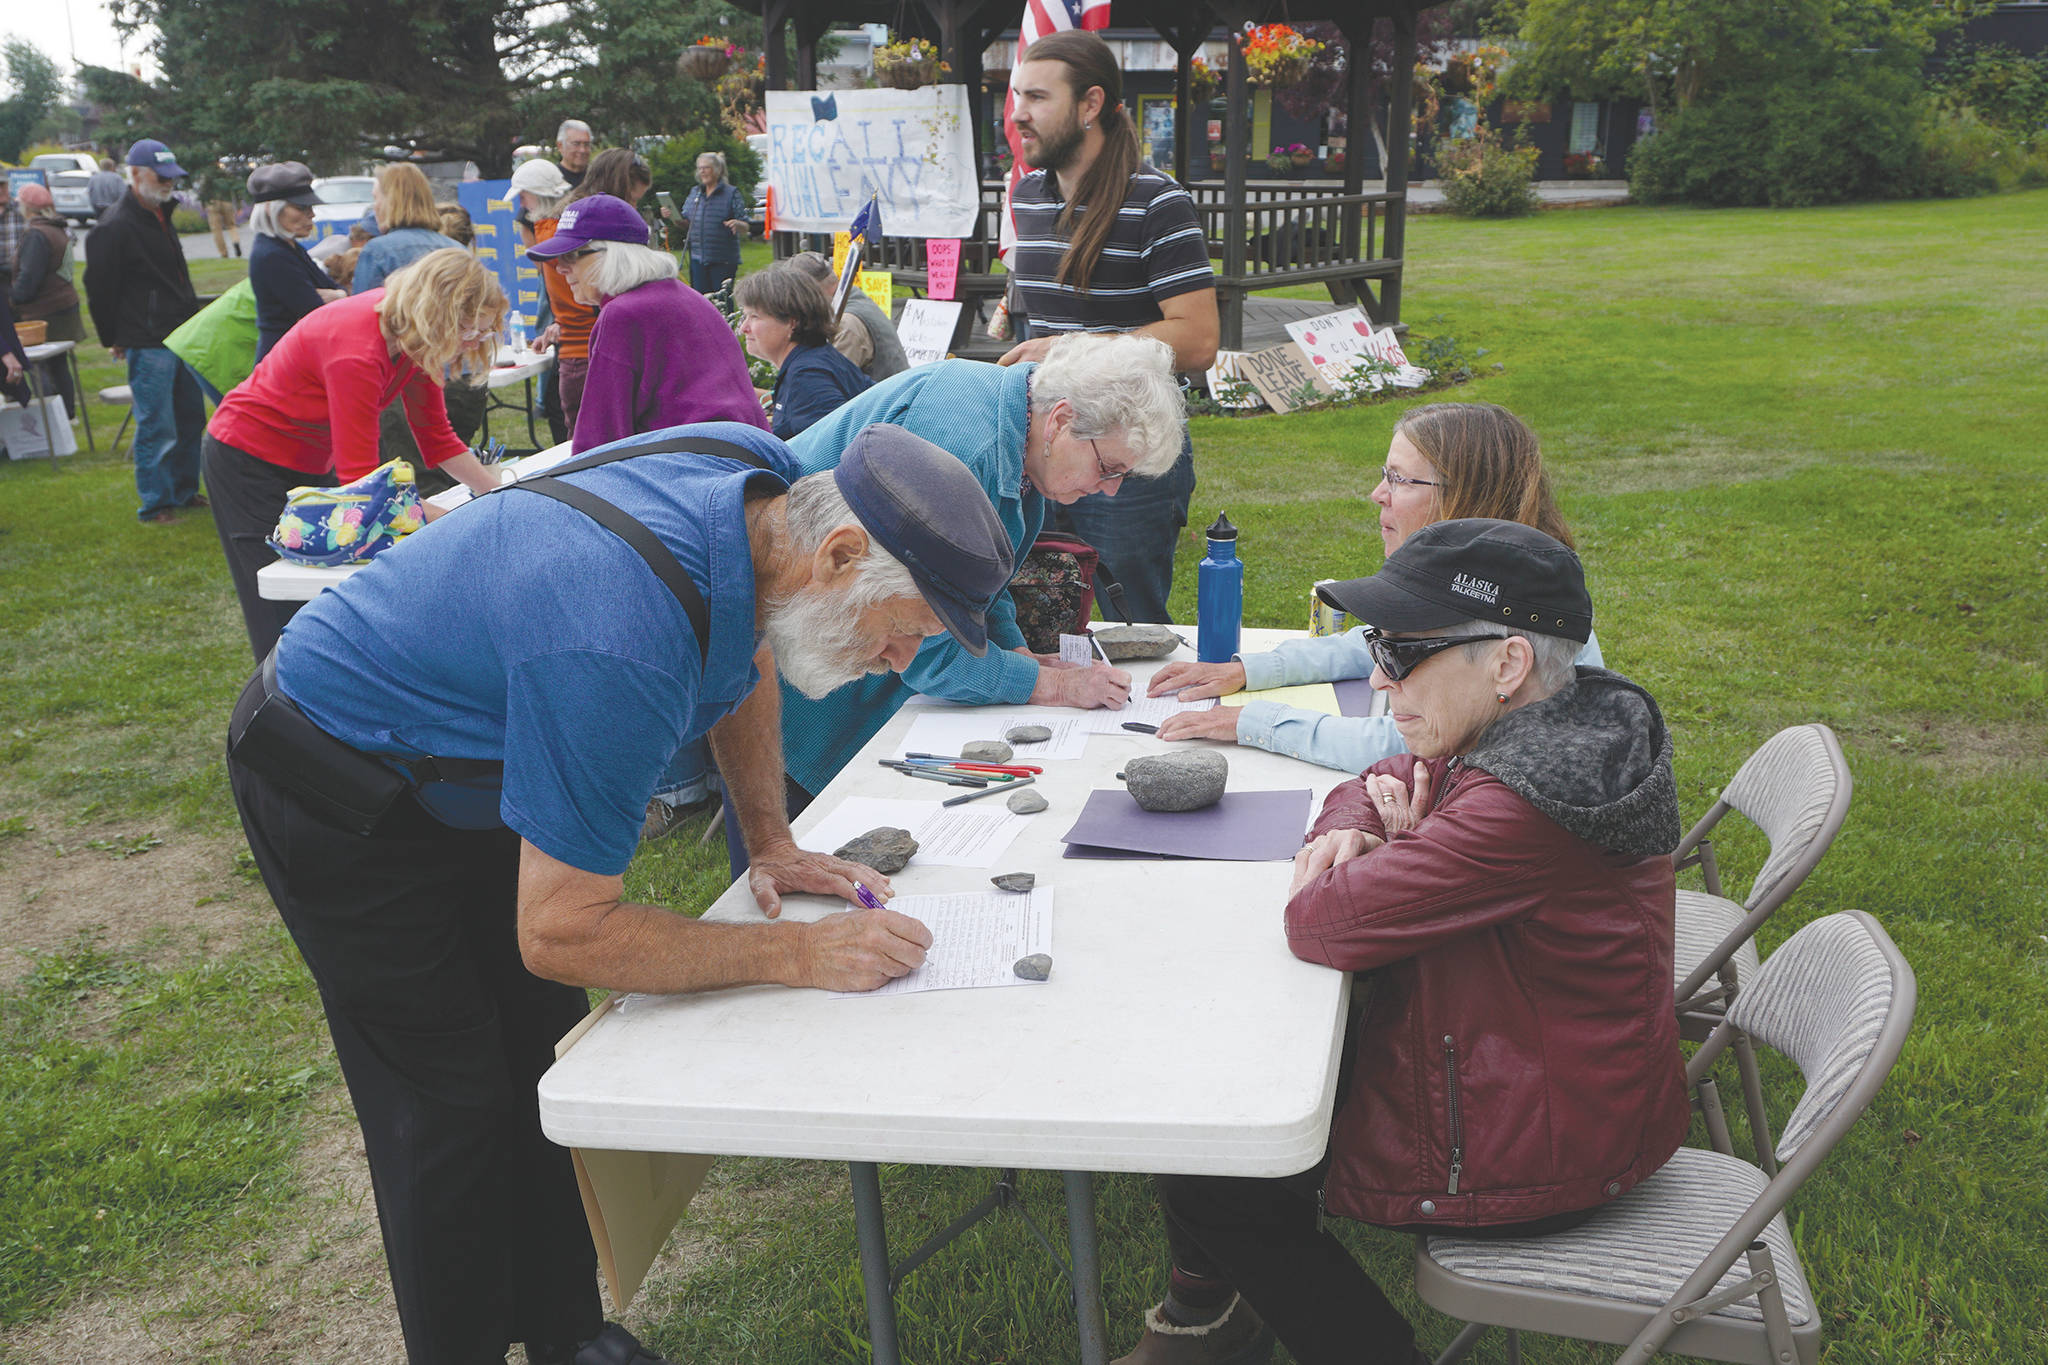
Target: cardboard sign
1385,346
926,329
942,264
1281,373
841,243
912,150
880,286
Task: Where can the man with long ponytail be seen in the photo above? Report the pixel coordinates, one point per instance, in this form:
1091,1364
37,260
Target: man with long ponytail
1107,243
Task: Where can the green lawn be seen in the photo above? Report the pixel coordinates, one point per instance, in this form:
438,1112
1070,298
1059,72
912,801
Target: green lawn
1804,456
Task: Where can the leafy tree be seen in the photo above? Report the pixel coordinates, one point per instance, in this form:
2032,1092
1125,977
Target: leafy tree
36,83
335,82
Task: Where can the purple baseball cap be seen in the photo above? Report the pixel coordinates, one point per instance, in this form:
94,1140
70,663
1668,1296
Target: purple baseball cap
600,218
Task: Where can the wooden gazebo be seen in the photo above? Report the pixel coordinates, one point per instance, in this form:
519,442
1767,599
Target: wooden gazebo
1346,240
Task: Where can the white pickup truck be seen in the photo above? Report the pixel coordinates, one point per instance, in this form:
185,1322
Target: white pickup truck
69,172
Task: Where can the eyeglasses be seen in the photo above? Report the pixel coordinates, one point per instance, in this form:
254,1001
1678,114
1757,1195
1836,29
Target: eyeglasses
475,334
1398,658
579,253
1403,481
1107,474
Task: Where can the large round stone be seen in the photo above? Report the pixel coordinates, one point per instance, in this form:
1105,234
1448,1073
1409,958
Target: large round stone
1037,967
987,751
1027,734
1121,643
1026,802
1191,780
887,850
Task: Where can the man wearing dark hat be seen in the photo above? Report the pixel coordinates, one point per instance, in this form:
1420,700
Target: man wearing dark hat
139,291
1508,885
452,908
287,283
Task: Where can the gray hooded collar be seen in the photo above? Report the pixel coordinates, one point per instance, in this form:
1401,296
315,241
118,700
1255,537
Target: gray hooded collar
1594,757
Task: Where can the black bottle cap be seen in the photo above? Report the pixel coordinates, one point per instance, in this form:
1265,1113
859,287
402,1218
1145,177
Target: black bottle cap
1222,529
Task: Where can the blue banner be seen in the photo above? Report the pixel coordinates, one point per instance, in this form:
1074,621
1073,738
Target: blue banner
493,212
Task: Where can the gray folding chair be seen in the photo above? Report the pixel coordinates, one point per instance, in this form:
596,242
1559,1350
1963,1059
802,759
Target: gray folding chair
1796,789
1658,1268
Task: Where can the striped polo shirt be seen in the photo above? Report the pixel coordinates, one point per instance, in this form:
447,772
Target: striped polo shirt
1156,252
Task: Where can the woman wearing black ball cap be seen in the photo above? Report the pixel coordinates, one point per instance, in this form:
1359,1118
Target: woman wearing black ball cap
1509,885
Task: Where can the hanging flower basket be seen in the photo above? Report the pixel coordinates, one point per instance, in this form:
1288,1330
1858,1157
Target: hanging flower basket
909,65
1276,55
704,61
1201,82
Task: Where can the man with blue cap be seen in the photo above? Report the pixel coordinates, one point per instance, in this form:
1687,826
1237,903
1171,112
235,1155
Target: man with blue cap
140,292
443,789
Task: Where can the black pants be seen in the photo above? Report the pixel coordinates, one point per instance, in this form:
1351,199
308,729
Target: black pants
248,496
442,1035
1260,1236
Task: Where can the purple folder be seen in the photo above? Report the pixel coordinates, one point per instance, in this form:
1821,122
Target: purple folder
1242,827
1354,696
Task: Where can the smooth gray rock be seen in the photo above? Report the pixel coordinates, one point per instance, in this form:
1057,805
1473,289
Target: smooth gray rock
1037,967
1015,881
987,751
1191,780
1026,802
1027,734
887,850
1120,643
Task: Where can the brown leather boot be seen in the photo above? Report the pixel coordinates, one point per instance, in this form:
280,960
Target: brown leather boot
1236,1338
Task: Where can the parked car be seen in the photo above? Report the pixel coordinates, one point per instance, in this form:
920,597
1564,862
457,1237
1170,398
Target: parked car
343,199
67,174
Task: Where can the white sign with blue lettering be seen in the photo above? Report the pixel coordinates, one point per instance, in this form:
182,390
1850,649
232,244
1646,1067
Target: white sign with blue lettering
912,150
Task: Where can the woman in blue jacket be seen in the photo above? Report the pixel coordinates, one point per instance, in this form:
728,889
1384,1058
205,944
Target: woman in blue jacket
788,323
715,217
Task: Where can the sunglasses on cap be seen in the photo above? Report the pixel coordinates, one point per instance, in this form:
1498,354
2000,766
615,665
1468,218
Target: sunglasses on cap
1398,658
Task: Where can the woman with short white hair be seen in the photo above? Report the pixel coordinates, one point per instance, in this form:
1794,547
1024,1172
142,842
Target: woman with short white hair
286,282
1096,411
660,354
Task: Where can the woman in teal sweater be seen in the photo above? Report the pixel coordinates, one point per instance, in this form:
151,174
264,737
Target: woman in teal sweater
1095,410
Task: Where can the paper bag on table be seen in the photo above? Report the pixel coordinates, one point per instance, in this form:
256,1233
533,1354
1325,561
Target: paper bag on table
633,1199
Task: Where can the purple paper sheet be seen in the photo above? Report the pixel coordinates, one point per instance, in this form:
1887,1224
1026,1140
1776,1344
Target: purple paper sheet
1354,696
1242,827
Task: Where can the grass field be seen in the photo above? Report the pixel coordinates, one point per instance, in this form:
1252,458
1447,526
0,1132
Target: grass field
1804,454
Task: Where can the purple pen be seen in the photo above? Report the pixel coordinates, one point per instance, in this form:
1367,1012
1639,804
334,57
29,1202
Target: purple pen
867,897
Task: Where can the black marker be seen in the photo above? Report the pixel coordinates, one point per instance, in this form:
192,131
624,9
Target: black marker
1141,727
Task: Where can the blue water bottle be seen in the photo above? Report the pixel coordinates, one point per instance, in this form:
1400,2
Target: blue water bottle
1219,596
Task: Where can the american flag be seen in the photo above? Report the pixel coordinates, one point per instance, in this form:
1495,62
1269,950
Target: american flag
1040,18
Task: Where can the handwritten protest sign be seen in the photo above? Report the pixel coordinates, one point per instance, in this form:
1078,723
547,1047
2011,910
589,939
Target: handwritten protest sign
942,266
880,286
1333,340
1282,374
1227,380
926,329
913,150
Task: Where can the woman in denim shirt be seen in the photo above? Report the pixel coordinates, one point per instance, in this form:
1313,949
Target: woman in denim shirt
1445,461
715,217
408,223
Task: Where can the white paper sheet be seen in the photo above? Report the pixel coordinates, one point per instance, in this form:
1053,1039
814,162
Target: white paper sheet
977,937
964,836
1148,710
943,732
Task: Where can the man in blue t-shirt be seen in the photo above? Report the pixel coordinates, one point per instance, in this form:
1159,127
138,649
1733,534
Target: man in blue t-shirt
452,910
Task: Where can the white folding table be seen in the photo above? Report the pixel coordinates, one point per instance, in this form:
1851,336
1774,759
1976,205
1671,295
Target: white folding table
1166,975
525,367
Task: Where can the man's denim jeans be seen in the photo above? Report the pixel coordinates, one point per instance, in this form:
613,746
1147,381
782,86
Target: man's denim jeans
170,417
1135,531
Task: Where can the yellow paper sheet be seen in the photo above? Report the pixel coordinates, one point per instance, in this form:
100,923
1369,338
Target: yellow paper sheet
1309,697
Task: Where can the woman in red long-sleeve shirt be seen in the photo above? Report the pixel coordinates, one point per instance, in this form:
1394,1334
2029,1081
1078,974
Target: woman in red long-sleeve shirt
308,415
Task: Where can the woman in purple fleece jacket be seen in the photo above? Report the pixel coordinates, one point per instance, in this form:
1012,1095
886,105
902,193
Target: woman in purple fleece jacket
661,355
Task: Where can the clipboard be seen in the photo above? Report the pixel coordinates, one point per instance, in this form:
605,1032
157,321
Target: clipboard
633,1199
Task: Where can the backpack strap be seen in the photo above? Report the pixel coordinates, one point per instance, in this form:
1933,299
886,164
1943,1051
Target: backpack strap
630,529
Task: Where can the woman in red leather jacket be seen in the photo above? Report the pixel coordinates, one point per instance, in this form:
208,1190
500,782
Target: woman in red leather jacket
1507,886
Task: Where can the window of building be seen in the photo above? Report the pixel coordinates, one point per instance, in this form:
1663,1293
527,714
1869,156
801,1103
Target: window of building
1585,128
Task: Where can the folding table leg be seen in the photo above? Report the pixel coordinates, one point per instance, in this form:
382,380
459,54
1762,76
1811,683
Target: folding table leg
1087,1267
874,1260
532,434
84,411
